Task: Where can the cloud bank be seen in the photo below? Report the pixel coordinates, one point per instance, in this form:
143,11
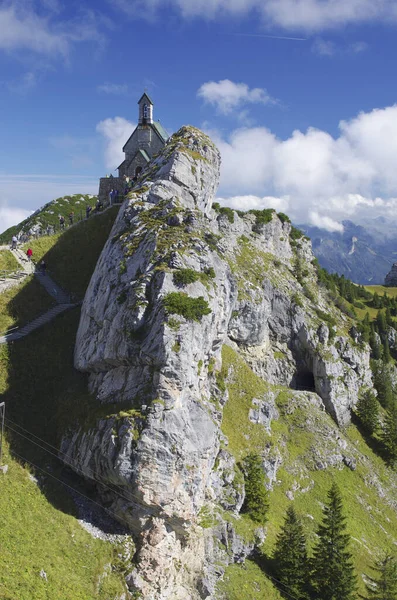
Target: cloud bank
292,15
315,177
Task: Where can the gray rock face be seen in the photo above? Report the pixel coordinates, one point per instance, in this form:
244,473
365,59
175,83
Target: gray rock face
391,277
160,365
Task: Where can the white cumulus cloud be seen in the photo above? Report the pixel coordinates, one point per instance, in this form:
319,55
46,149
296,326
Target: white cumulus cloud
227,95
324,222
255,203
116,132
319,176
10,216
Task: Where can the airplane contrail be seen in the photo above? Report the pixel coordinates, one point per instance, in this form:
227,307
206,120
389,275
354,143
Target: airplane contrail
273,37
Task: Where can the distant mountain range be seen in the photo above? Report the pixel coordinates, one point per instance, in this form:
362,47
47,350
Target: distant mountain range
363,253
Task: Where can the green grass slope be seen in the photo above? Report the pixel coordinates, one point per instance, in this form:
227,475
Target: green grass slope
38,526
22,303
71,256
300,440
8,262
49,214
35,535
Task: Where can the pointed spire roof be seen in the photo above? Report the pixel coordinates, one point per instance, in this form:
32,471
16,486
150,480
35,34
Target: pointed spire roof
144,95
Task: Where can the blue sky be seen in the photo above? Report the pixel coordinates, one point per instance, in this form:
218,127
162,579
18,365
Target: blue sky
71,74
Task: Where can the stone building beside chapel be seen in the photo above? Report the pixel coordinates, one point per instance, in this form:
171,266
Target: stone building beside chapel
147,139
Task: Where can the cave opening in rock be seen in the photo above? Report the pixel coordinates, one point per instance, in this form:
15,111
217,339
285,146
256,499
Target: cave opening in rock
304,380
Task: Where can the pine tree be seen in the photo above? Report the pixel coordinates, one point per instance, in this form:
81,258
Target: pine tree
368,412
333,575
389,434
384,587
365,329
386,351
381,322
389,320
376,301
382,383
256,502
290,556
374,343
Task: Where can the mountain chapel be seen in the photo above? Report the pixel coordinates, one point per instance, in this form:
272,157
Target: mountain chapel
147,139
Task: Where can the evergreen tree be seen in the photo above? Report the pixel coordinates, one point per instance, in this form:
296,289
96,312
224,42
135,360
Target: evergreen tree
386,351
368,412
381,323
389,320
375,346
333,575
365,328
389,434
384,587
376,301
382,383
290,556
256,502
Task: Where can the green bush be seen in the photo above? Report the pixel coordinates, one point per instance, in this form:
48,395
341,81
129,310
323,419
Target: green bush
284,218
123,267
262,217
212,240
179,303
216,206
295,234
323,316
121,298
256,502
228,212
297,301
185,276
210,272
309,294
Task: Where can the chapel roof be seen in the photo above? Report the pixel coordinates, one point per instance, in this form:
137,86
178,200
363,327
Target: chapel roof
148,97
140,151
160,130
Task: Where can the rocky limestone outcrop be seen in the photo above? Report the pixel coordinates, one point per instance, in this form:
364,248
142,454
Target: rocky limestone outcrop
174,283
391,277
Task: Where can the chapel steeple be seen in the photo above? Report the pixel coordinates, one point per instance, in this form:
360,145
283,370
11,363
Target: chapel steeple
145,110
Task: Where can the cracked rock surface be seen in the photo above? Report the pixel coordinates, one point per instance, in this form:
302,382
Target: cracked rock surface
159,366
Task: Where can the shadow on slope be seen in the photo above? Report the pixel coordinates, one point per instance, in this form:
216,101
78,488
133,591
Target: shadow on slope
23,303
71,257
44,395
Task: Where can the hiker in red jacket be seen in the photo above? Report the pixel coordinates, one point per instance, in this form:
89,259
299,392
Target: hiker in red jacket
29,254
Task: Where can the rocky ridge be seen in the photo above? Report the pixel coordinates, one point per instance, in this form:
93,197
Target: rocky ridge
391,277
175,284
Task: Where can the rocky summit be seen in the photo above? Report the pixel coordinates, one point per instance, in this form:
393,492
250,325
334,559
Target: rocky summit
391,277
186,301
